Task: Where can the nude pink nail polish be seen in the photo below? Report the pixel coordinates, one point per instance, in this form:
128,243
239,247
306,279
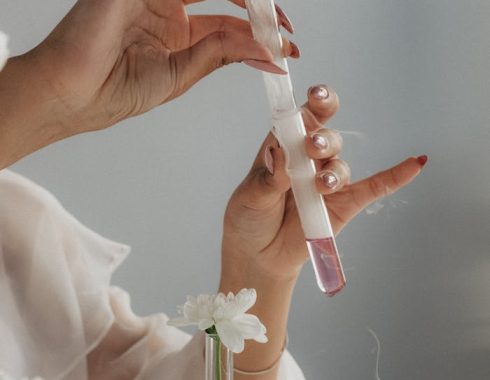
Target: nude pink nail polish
284,20
319,92
295,52
319,141
330,179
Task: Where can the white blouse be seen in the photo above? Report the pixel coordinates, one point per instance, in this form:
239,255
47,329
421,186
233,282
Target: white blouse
59,316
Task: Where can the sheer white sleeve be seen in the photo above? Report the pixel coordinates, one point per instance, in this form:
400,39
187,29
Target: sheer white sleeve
59,316
54,284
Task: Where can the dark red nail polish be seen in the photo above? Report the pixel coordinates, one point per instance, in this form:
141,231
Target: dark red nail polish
422,160
284,20
295,52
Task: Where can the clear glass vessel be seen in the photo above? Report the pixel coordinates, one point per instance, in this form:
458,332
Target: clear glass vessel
218,359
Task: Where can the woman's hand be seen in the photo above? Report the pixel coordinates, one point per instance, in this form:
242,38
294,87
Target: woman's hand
111,59
263,243
262,231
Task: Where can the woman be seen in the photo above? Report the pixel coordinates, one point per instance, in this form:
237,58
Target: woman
106,61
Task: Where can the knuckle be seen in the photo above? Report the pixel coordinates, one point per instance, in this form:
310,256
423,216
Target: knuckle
378,187
334,105
222,36
336,138
217,43
336,101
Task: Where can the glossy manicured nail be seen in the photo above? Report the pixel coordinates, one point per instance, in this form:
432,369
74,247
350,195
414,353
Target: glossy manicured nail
269,160
284,20
422,160
330,179
295,52
319,92
319,141
268,67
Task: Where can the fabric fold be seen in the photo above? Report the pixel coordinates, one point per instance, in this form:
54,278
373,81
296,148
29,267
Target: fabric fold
60,318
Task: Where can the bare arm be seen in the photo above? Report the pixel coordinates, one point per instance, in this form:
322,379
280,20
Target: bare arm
30,116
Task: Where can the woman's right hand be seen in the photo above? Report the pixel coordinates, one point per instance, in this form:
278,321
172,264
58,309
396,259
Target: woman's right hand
108,60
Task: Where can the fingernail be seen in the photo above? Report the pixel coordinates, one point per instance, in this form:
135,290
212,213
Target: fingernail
269,160
330,179
319,141
284,20
422,160
268,67
295,53
319,92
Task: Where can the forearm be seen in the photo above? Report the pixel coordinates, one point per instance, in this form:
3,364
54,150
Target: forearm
272,308
30,115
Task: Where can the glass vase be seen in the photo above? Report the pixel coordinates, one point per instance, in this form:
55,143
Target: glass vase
218,359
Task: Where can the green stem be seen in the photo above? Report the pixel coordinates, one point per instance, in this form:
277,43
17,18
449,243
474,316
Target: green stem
218,357
217,351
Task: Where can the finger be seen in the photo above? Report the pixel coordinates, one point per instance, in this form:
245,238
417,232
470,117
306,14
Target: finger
204,25
386,182
290,49
282,18
334,175
322,102
323,144
240,3
214,51
267,181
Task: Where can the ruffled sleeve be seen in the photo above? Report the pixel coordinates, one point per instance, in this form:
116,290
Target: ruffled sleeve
59,316
54,282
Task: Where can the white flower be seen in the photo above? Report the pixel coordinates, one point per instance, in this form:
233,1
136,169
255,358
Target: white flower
4,53
196,311
227,314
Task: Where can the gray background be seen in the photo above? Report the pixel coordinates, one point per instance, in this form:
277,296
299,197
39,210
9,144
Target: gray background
413,78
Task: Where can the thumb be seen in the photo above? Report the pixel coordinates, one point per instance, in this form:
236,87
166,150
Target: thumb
267,181
212,52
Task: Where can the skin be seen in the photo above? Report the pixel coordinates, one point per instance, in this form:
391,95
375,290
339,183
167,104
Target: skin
263,243
109,60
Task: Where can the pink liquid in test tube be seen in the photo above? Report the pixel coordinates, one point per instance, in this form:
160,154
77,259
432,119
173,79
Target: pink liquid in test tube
326,264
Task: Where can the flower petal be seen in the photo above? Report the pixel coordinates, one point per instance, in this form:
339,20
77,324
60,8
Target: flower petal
230,336
205,324
250,327
245,299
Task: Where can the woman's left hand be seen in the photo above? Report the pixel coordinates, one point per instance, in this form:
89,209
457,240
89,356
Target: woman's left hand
263,243
262,231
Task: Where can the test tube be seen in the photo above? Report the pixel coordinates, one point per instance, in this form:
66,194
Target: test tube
289,129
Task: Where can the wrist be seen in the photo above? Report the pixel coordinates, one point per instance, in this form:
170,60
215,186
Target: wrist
31,115
274,296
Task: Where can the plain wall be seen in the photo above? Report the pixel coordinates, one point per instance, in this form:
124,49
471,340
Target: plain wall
413,78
